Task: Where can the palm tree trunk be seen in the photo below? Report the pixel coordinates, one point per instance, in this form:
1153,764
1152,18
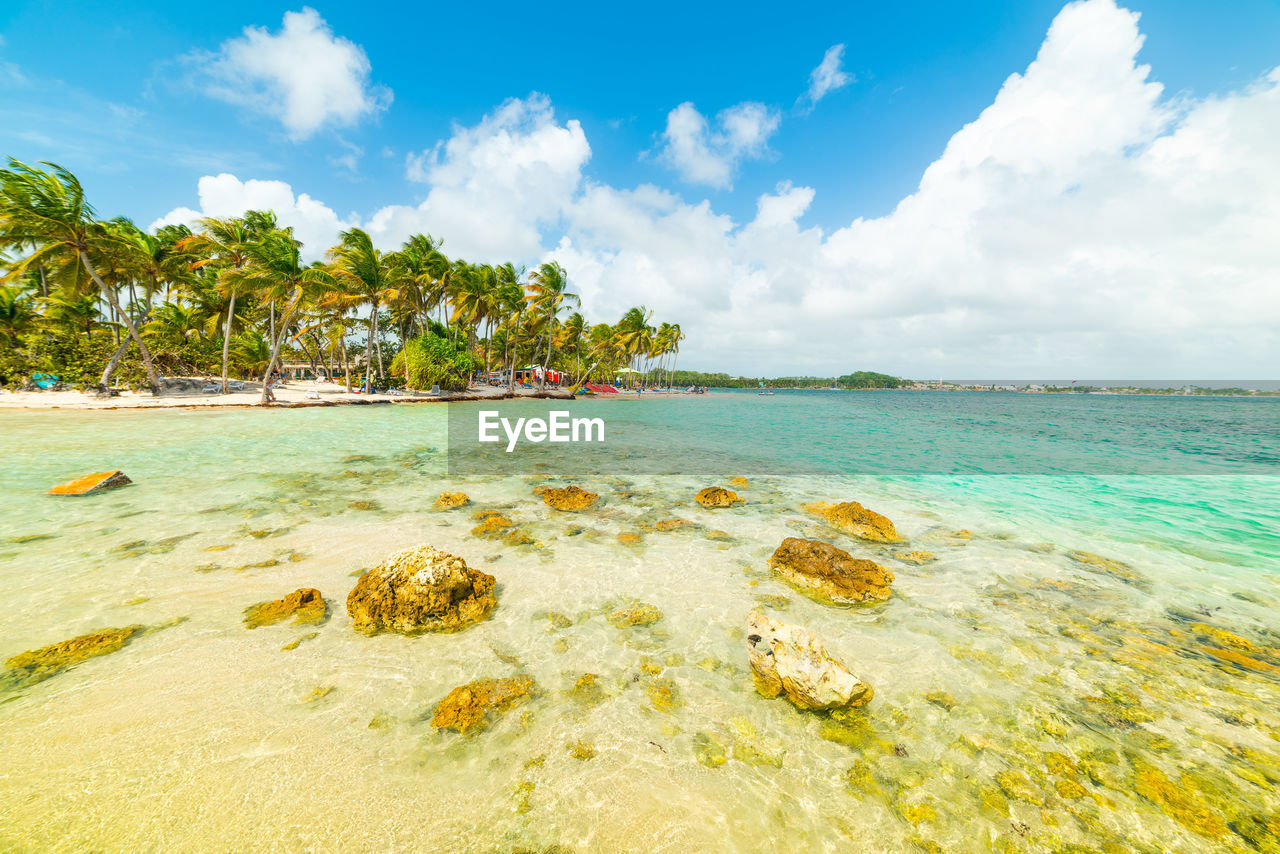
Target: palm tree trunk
368,352
133,331
226,343
278,341
515,353
346,362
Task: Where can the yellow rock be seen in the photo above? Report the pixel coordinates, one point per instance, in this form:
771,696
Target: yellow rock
305,606
640,614
1070,790
581,750
471,707
451,501
36,665
717,496
830,573
1015,785
855,520
571,498
629,538
663,694
1180,802
420,590
916,557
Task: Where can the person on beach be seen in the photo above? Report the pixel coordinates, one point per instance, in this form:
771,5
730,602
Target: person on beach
271,384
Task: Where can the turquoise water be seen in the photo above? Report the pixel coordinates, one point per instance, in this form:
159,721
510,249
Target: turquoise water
1077,608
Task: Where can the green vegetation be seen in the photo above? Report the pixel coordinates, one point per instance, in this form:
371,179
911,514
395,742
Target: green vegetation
102,302
857,380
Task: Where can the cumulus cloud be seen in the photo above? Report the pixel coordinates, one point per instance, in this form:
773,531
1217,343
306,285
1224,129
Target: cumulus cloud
828,76
708,153
496,186
304,76
225,195
1083,225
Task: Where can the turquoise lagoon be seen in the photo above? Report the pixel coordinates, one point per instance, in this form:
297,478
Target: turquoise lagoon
1090,663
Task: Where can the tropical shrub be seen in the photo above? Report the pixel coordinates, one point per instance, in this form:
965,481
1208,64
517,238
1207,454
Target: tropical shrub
434,360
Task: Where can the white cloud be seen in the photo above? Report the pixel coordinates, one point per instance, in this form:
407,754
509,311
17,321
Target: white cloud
704,153
494,187
304,76
828,76
1083,225
313,222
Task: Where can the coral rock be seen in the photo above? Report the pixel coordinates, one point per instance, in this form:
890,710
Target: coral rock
305,606
716,496
91,483
36,665
571,498
789,660
451,501
827,572
420,590
855,520
640,614
471,707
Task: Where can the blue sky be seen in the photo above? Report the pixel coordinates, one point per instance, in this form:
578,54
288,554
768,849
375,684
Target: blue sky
138,100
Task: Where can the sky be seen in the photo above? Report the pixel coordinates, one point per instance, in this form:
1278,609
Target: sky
1012,189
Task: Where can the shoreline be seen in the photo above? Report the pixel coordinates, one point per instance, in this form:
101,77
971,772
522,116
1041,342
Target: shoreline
287,397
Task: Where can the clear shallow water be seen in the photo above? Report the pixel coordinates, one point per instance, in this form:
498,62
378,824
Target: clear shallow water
202,736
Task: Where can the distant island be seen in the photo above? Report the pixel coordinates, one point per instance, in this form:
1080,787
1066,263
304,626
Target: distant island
865,380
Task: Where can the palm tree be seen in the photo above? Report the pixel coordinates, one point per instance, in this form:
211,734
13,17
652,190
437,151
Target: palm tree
571,335
275,269
365,276
47,210
18,314
223,246
549,290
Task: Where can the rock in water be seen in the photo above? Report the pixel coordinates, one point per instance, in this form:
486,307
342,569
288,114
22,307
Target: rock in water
789,660
856,520
91,483
37,665
569,498
452,500
827,572
469,707
420,590
305,606
718,496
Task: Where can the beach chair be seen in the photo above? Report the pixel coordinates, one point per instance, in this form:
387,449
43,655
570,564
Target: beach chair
435,390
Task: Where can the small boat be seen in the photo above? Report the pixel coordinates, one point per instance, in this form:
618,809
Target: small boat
765,391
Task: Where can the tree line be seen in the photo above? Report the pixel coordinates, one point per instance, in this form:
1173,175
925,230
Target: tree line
94,301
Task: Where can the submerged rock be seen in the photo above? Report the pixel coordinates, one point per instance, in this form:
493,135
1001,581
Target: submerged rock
305,606
451,501
37,665
473,706
639,614
420,590
855,520
718,496
820,568
91,483
918,558
571,498
789,660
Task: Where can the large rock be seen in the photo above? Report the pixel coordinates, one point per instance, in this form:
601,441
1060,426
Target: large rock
91,483
420,590
571,498
37,665
789,660
827,572
856,520
472,706
306,606
717,496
